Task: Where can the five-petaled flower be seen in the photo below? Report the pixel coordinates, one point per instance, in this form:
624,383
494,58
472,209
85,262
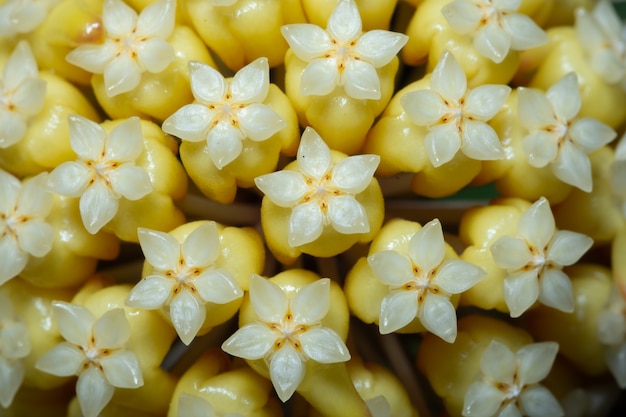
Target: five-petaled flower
495,26
133,44
184,277
23,229
226,112
288,332
95,351
510,382
14,346
456,117
534,260
342,55
421,283
321,192
105,170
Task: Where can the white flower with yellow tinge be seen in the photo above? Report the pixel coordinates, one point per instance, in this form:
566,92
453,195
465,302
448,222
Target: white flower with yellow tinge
456,117
557,137
534,260
183,278
133,44
94,350
23,16
14,346
495,26
226,112
510,383
22,94
420,284
342,55
24,231
288,332
105,170
321,193
611,332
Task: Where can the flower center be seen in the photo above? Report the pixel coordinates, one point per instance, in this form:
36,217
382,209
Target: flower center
93,354
101,170
321,190
183,277
343,52
288,332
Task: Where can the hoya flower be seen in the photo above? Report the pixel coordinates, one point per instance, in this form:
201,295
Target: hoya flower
22,94
133,44
320,192
422,282
14,346
94,350
192,406
226,112
456,117
495,26
184,277
556,136
534,260
342,55
611,331
510,383
23,16
288,332
105,170
618,175
24,231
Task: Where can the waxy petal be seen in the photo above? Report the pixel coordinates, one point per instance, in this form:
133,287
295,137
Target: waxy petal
34,200
538,401
556,290
87,138
344,24
75,322
347,215
64,359
485,101
568,247
20,66
306,223
12,128
361,81
313,154
391,268
157,19
35,237
481,142
161,249
217,286
541,148
187,315
28,99
251,83
121,75
259,122
320,77
11,378
493,42
69,179
306,40
442,143
286,371
534,361
268,299
93,392
93,58
154,55
439,317
427,247
224,144
456,276
207,84
192,406
397,309
150,293
311,303
616,362
122,369
191,123
111,330
10,189
590,134
573,167
482,399
379,47
252,341
498,363
12,259
424,107
524,32
511,253
130,181
118,18
14,340
536,224
323,345
201,247
284,188
462,16
98,205
534,109
448,78
520,292
565,97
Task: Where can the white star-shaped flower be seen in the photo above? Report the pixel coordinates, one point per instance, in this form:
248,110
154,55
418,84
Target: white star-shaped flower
22,94
557,136
226,112
611,331
23,16
288,332
95,351
421,283
23,229
342,55
320,192
193,406
133,44
510,383
495,26
456,117
534,260
14,346
105,170
184,277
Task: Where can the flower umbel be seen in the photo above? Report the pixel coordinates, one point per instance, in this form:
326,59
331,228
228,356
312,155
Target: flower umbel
105,170
421,283
14,346
288,333
321,193
95,351
133,44
184,277
342,55
456,117
226,112
534,260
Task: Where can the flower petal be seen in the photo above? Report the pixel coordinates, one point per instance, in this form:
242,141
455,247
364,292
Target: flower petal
361,81
492,42
93,392
14,340
568,247
11,378
536,224
74,322
556,290
511,253
157,19
252,341
590,134
150,293
427,247
187,315
397,309
191,123
192,406
391,268
10,189
87,138
456,276
541,148
354,174
313,154
286,371
439,317
534,361
161,249
379,47
320,77
130,181
118,18
565,97
20,66
121,75
34,200
344,24
268,299
217,286
98,205
111,330
311,303
442,143
207,84
520,291
616,362
424,107
259,122
202,246
307,41
573,167
481,142
154,55
448,78
224,144
485,101
93,58
12,259
347,215
306,223
64,359
498,363
524,32
538,401
28,99
323,345
251,83
69,179
35,237
122,370
284,188
125,142
12,128
534,109
462,16
482,399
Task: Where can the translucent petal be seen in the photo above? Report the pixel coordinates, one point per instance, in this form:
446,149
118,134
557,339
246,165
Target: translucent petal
98,205
202,246
607,18
448,78
252,341
259,122
121,75
207,84
122,370
187,315
10,189
611,326
311,303
573,167
130,181
154,55
482,399
397,309
87,138
427,247
313,154
347,215
69,179
217,286
323,345
565,97
379,406
615,357
74,322
456,276
268,299
192,406
93,392
118,18
391,268
191,123
538,401
64,359
606,63
540,148
251,83
510,410
439,317
12,128
93,58
320,77
485,101
157,19
511,253
34,199
306,40
492,42
14,340
361,81
286,371
481,142
378,47
35,237
590,134
20,66
424,107
498,363
12,259
224,144
520,292
536,224
442,143
344,24
507,5
535,361
462,16
556,290
161,249
150,293
28,99
285,188
534,109
588,31
524,32
568,247
11,377
111,330
306,223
